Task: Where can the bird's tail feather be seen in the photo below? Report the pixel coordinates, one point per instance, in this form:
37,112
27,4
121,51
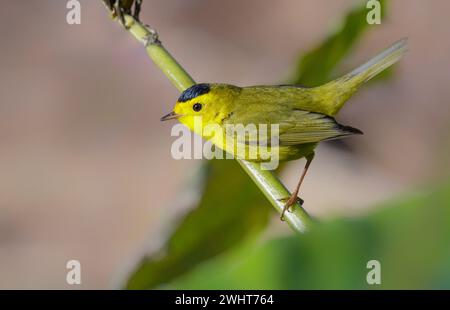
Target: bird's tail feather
342,88
378,63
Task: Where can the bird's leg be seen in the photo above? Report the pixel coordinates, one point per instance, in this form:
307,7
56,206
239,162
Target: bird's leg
294,196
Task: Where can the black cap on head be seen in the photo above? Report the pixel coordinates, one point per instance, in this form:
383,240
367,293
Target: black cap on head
194,91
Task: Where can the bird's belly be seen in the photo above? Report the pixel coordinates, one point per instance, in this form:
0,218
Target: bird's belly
296,151
262,153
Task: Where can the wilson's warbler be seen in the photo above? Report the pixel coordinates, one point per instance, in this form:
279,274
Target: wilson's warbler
305,116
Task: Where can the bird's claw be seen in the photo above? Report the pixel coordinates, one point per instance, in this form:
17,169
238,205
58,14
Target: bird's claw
290,204
296,199
137,9
119,11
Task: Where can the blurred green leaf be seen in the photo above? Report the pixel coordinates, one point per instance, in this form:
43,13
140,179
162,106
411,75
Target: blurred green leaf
409,237
231,209
317,66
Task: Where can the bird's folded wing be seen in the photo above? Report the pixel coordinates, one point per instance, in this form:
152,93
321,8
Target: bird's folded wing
294,127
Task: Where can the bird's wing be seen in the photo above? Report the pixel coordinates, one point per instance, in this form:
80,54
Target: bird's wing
306,127
294,126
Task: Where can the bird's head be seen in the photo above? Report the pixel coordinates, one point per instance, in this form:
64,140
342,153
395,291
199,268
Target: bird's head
210,101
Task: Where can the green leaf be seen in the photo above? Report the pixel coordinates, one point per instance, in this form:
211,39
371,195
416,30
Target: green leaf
232,208
318,66
409,237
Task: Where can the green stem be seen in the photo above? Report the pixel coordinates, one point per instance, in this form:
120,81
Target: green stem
266,181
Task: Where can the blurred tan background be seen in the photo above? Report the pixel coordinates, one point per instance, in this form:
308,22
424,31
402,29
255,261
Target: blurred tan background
86,171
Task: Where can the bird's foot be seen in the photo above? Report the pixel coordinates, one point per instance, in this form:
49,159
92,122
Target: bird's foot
119,11
137,9
289,204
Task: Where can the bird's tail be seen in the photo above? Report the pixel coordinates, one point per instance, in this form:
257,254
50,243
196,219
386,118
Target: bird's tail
338,91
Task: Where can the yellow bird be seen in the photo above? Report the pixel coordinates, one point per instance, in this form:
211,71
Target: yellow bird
304,116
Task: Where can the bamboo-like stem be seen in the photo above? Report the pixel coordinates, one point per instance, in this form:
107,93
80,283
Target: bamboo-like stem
266,181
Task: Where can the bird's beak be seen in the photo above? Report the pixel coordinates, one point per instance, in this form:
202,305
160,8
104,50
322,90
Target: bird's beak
171,115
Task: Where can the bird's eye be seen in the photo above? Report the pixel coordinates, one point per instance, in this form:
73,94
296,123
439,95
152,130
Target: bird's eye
197,107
